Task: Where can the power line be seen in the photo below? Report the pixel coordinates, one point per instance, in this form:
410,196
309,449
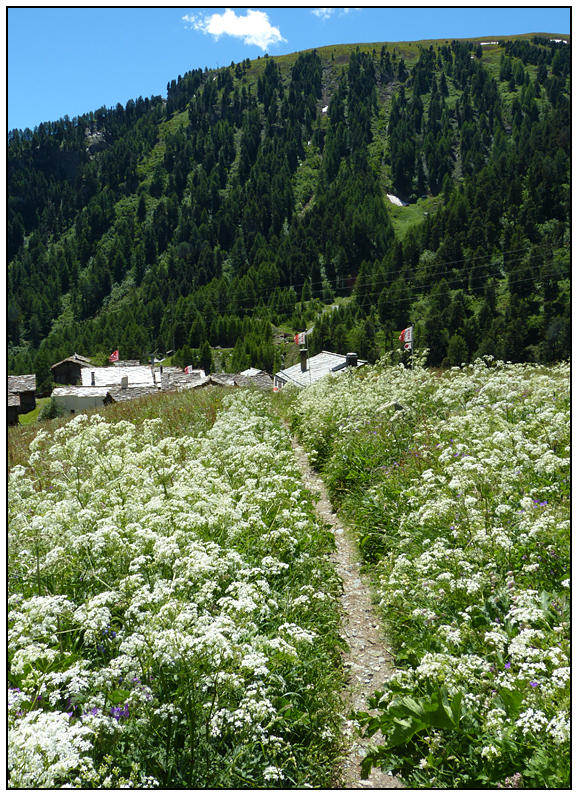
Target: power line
248,304
500,255
419,293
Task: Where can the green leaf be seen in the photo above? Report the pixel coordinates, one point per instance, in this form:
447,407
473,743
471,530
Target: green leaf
512,701
406,706
404,729
119,696
366,766
373,725
456,707
445,716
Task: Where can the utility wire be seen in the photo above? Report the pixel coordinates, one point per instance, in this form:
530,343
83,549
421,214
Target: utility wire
415,291
247,305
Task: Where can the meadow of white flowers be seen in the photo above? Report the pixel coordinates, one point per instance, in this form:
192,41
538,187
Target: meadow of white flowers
172,609
458,486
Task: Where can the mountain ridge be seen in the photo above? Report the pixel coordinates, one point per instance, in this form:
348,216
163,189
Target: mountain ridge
255,195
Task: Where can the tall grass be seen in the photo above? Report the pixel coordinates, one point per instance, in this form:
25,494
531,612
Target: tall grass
180,412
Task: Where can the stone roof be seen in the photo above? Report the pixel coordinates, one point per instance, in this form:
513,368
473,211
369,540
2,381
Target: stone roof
92,392
260,379
75,359
118,394
176,379
22,383
251,372
223,379
111,376
193,384
317,367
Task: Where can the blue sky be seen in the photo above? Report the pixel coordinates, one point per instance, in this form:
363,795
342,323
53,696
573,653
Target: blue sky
69,61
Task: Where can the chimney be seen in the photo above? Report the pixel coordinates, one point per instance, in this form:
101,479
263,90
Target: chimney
124,383
92,378
351,360
303,355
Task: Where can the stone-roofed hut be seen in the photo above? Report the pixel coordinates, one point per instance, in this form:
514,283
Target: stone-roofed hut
21,396
256,377
176,379
252,377
78,399
13,408
69,370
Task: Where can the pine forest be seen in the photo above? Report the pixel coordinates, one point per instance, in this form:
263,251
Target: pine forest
253,202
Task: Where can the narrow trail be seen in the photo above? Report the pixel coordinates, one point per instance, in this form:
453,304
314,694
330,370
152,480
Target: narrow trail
368,661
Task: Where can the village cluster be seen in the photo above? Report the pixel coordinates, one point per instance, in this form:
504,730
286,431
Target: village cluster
81,386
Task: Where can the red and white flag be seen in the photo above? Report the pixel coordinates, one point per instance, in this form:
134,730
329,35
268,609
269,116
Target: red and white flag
299,338
407,335
189,369
114,356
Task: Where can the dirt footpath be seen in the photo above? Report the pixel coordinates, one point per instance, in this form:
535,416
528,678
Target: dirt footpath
368,660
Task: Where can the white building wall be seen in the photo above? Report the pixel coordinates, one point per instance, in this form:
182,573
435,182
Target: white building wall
79,403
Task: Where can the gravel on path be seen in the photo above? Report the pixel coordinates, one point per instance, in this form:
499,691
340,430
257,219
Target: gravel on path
368,660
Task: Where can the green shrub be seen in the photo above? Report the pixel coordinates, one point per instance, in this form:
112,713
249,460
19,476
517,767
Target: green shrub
51,410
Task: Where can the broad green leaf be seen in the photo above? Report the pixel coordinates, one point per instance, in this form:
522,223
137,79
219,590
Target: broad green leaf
119,696
404,729
512,701
406,706
445,716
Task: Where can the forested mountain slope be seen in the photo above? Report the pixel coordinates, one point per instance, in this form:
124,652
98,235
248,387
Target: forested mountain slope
255,194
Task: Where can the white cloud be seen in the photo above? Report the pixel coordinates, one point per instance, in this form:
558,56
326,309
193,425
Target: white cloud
254,28
323,13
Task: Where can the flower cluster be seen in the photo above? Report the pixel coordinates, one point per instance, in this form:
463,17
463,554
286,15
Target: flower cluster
155,587
458,485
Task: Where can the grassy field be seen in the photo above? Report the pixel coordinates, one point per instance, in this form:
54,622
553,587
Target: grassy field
32,417
404,218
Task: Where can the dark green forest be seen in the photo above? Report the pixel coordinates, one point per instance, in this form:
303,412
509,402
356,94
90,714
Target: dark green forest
252,199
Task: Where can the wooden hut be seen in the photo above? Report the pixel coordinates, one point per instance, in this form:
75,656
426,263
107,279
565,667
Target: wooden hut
21,396
69,370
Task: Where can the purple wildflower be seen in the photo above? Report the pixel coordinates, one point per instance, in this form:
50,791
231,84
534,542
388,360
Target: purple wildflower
120,713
